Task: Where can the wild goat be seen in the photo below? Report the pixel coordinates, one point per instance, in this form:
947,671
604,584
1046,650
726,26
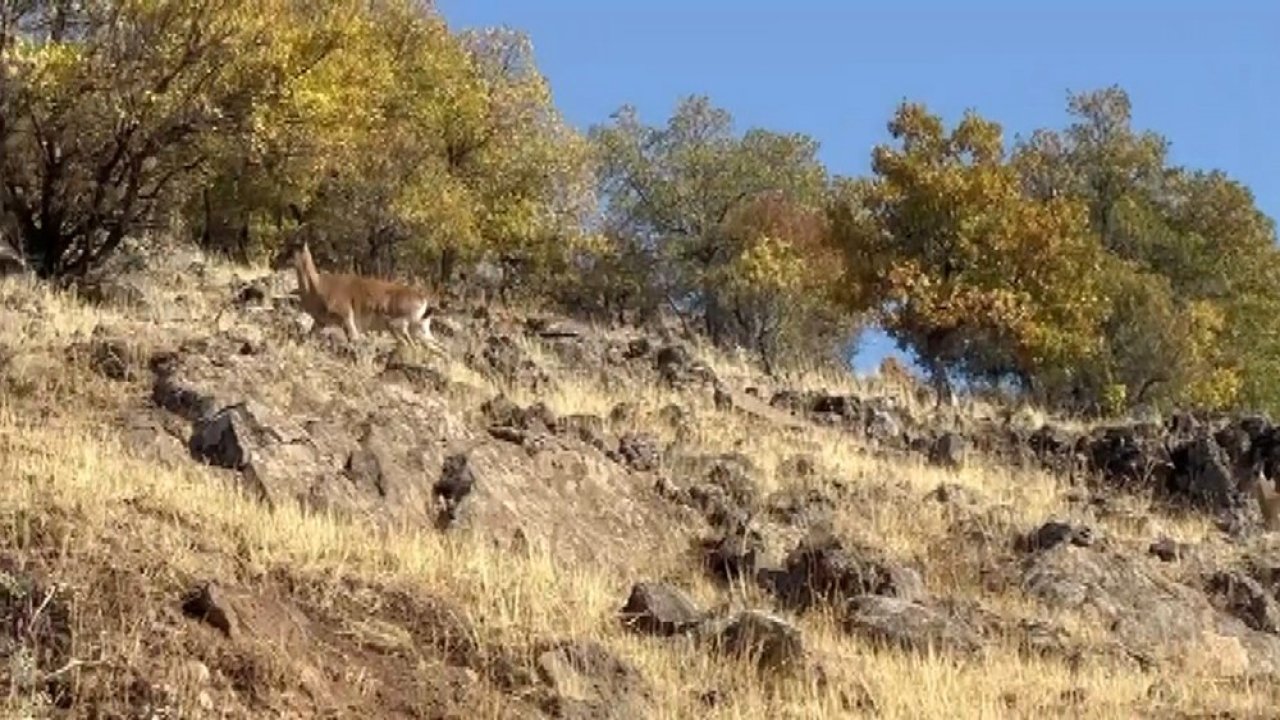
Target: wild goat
358,303
1268,499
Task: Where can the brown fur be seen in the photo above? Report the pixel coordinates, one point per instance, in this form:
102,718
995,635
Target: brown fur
1268,501
357,303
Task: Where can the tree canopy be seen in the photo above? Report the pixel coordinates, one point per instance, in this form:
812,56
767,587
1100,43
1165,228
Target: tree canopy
1078,265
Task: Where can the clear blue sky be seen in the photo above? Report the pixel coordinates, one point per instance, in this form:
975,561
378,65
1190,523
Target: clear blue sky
1203,74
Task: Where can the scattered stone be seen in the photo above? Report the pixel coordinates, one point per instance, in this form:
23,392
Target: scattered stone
623,413
821,569
734,555
586,680
1202,474
1167,550
1054,533
1245,598
590,429
416,375
659,609
775,644
640,451
208,604
948,450
908,625
455,483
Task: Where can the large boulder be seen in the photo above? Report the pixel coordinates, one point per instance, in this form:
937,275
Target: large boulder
1156,619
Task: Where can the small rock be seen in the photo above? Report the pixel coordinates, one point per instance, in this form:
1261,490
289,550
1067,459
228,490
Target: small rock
1167,549
908,625
722,398
1245,598
638,348
207,604
822,569
501,411
640,451
622,413
774,643
733,555
589,681
948,450
659,609
1054,533
455,483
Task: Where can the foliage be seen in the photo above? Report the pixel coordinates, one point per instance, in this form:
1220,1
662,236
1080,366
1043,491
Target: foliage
106,108
968,271
1189,253
407,146
728,221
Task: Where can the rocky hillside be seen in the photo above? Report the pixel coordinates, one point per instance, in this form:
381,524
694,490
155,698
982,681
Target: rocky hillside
210,512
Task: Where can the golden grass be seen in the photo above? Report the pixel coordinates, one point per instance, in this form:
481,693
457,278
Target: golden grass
187,522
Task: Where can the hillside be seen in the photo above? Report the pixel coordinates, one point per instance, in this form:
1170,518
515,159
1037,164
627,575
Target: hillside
208,514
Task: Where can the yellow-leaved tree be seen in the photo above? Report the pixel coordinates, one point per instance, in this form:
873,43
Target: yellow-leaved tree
967,270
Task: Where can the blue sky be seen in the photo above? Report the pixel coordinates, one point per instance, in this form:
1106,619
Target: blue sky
1202,74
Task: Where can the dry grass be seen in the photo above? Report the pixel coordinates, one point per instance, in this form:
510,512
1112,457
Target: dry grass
73,494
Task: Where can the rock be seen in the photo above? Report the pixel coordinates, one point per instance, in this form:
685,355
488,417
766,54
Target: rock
659,609
590,429
208,604
11,261
623,413
112,358
1053,533
1202,474
586,680
677,368
948,450
1154,619
721,486
416,375
793,401
908,625
277,461
1245,598
1167,550
504,358
734,555
1126,457
774,644
638,348
882,426
802,507
454,485
821,569
640,451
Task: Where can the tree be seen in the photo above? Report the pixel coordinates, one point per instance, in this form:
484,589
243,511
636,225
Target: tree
966,269
696,198
106,110
1189,279
407,149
